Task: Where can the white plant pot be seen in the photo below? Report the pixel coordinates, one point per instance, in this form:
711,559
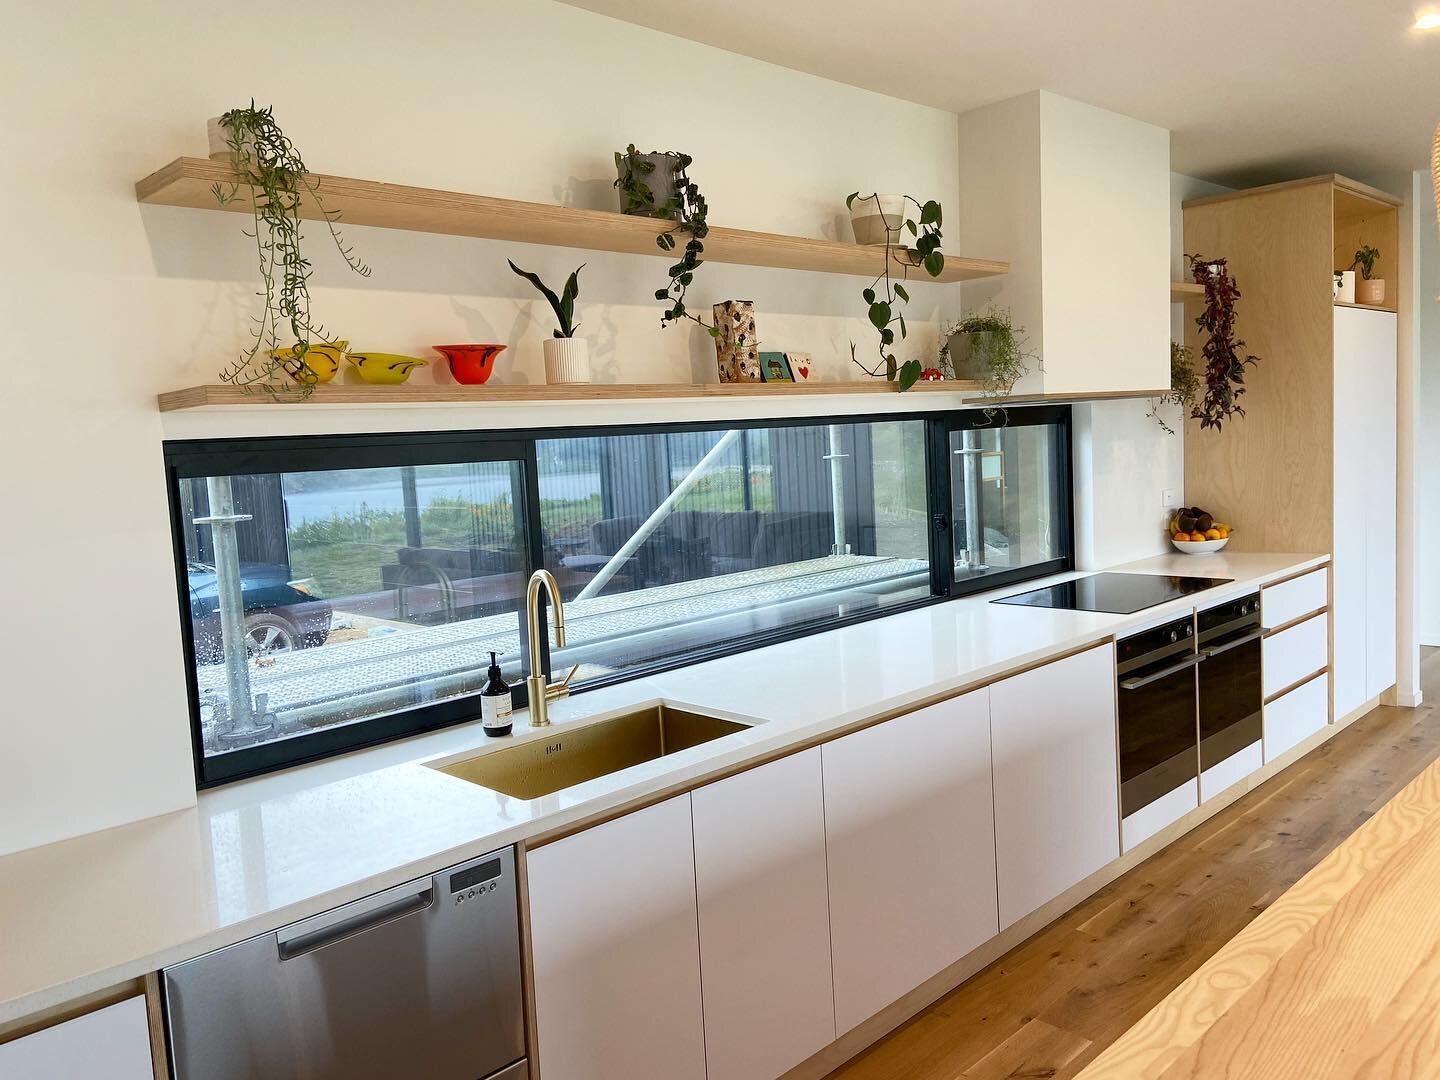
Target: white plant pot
219,140
567,360
871,223
1345,286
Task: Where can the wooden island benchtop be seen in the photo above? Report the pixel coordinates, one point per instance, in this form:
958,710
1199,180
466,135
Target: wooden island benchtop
1339,978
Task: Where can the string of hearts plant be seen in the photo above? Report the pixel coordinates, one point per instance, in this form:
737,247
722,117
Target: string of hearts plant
883,304
1223,359
685,205
267,163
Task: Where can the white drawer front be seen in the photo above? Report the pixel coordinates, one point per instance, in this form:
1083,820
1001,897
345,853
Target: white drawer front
1295,653
1296,716
1299,596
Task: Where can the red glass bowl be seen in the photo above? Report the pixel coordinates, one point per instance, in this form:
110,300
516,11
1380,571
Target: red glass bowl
470,364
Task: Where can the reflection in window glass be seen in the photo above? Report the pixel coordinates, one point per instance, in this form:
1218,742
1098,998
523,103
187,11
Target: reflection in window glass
1006,498
326,597
672,543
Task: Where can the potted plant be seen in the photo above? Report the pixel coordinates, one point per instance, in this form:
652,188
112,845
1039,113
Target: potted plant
267,165
1345,286
567,358
658,185
1222,352
883,305
1184,386
988,348
877,219
1368,289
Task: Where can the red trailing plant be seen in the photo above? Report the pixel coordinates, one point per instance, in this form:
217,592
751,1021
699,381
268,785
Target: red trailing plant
1222,353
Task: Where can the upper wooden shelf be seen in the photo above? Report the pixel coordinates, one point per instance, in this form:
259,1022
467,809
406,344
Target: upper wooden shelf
1181,291
199,397
188,181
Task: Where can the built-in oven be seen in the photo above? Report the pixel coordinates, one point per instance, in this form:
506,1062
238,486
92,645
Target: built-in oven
1230,693
1155,679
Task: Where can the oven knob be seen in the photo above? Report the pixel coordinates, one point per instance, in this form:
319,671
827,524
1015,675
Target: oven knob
1174,635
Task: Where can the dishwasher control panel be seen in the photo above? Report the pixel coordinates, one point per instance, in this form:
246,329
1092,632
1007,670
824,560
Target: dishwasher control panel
476,881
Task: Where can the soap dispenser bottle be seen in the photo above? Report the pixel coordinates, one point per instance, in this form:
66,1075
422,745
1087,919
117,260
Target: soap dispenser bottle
495,703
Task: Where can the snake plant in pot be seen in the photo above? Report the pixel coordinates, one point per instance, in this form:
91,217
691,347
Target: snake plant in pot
567,358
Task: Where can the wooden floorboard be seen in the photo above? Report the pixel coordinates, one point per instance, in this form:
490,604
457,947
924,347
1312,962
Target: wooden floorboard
1050,1005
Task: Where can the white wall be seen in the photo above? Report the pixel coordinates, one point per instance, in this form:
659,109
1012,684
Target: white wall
108,303
1427,565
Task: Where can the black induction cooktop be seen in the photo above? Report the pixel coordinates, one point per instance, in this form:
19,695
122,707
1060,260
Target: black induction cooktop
1117,594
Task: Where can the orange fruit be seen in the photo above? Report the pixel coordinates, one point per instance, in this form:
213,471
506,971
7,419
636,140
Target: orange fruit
1224,531
1213,534
1181,537
1197,538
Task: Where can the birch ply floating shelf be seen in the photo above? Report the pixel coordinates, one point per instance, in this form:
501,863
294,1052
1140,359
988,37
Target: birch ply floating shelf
223,394
1181,291
188,181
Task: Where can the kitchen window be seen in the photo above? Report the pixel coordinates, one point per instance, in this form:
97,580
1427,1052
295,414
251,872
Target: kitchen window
341,591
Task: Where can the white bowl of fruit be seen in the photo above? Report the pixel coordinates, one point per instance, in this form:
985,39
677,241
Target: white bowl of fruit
1195,532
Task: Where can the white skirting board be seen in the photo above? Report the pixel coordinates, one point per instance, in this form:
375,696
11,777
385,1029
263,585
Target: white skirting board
1166,810
1231,771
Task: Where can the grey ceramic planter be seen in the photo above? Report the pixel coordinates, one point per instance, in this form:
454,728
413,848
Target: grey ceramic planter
660,180
970,353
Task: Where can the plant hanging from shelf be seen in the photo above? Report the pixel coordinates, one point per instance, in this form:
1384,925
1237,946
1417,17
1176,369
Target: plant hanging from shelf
1185,386
266,162
883,304
987,346
1222,353
680,200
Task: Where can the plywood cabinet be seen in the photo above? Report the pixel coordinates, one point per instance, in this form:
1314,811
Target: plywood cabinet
911,843
113,1043
764,918
1315,454
616,949
1057,785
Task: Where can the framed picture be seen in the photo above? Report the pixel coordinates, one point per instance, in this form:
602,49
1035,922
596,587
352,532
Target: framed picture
802,367
775,367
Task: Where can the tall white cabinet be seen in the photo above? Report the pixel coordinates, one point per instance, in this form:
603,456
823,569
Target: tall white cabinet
1364,542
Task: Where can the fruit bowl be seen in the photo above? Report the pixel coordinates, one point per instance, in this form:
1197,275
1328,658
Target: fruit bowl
1199,547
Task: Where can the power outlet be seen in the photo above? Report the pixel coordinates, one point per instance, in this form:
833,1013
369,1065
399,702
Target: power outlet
1168,501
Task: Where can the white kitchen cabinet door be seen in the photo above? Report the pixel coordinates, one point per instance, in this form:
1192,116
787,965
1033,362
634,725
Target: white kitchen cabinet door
911,848
113,1043
1378,437
1363,560
1057,784
1295,654
615,950
764,918
1293,718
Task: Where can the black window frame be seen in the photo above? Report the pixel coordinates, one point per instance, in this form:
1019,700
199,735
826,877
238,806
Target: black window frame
191,458
941,549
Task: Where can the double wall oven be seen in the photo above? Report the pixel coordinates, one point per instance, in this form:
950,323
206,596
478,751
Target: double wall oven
1189,706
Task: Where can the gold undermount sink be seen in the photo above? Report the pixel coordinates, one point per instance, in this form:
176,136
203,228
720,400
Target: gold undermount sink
572,754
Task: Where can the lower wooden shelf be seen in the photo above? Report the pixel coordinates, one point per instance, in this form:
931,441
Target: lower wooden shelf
223,394
1387,306
1181,291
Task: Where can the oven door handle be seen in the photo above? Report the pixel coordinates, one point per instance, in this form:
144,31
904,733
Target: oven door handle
1254,635
1137,681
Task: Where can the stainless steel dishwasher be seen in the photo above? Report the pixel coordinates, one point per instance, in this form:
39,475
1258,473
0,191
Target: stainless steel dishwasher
420,981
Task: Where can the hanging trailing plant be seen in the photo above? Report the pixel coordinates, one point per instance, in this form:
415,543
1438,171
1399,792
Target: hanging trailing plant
267,163
678,198
989,347
1184,386
883,303
1222,353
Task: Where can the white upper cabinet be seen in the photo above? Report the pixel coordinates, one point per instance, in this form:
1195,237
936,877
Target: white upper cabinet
1078,200
113,1043
616,951
1057,784
911,845
764,918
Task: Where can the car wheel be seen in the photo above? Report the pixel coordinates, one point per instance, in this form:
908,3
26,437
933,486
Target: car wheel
267,633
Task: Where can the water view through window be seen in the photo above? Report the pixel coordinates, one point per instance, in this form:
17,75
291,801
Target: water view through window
331,606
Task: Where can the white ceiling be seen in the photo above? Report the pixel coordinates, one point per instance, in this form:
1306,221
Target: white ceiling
1252,91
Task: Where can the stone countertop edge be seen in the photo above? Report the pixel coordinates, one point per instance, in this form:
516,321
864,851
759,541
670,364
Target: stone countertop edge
195,880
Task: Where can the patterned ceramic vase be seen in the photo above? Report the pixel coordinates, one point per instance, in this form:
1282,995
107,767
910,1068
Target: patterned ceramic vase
737,349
